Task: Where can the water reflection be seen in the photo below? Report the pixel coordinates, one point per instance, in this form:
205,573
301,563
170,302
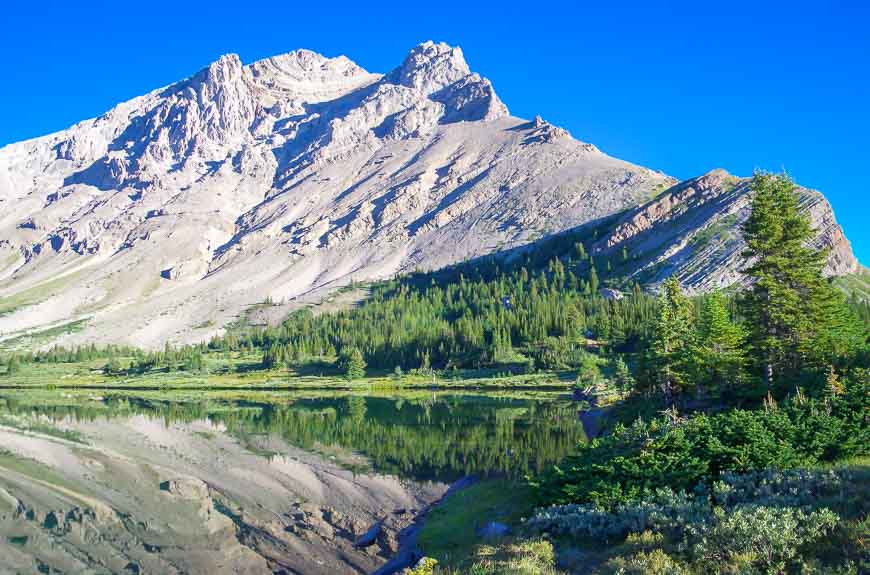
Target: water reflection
437,437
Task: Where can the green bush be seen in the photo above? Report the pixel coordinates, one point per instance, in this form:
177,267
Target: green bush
655,562
425,566
635,461
760,522
668,512
768,538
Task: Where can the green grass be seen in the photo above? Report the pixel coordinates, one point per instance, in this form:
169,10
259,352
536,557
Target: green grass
514,557
243,371
449,532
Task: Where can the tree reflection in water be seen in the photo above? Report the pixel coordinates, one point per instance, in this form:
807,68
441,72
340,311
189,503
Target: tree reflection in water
439,437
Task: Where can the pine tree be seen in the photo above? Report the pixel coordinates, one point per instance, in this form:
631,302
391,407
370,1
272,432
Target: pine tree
352,363
589,374
721,356
13,366
113,367
193,361
674,339
593,281
622,376
794,314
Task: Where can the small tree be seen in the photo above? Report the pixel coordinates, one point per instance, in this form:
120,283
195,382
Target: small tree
351,363
113,367
721,342
589,374
13,366
193,362
674,339
622,375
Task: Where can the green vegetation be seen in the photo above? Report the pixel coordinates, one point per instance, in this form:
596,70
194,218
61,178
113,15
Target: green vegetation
796,319
36,294
685,453
351,363
674,341
36,338
449,533
709,487
761,522
722,228
701,399
856,286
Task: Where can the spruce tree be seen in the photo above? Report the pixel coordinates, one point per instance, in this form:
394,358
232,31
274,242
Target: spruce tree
721,356
13,366
795,316
589,374
674,339
622,376
351,363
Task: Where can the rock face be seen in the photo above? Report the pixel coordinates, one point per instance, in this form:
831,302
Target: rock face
172,213
692,231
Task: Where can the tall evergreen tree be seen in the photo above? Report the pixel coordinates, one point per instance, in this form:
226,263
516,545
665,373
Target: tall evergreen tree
622,376
794,314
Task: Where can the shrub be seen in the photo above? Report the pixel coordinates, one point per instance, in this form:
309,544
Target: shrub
113,367
765,537
681,454
425,566
655,562
760,522
13,366
669,513
528,557
664,512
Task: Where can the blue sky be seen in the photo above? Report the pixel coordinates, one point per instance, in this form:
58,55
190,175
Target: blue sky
682,87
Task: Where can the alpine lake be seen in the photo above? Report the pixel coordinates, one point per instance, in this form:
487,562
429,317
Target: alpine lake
280,481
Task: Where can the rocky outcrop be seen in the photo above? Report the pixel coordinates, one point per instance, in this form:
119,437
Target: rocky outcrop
692,230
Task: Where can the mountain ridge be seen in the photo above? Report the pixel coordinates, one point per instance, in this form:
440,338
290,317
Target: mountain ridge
167,216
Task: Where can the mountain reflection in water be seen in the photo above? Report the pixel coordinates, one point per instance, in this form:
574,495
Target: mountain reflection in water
422,437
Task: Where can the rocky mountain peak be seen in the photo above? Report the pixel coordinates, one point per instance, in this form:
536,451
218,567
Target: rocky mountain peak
306,76
431,67
296,174
225,70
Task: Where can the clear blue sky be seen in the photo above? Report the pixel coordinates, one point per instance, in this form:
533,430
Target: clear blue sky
682,87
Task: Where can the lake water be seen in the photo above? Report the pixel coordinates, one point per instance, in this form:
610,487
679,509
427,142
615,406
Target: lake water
255,482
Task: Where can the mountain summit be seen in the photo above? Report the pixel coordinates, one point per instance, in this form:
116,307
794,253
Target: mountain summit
172,213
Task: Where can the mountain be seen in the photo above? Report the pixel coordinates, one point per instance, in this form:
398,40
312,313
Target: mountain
171,214
692,230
